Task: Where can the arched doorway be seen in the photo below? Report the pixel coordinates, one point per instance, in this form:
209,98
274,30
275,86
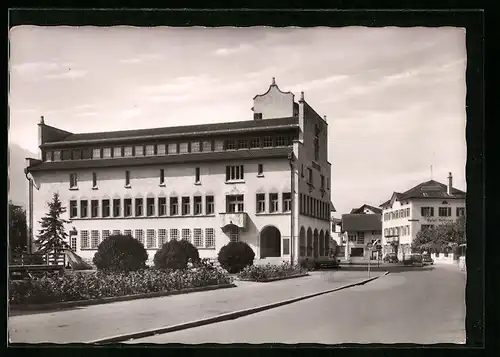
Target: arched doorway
302,242
309,246
327,243
270,242
321,243
315,243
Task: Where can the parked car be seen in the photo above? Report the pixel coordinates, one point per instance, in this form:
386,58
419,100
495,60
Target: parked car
426,259
330,262
391,258
414,260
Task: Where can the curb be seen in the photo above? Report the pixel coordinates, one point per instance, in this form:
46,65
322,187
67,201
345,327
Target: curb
276,279
224,317
69,304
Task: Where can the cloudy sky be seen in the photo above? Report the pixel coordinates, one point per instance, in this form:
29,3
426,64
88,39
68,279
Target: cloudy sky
394,97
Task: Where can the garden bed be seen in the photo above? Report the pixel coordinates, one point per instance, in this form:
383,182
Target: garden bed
269,272
99,287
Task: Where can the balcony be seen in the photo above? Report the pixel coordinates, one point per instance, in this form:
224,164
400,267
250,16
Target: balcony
238,219
392,238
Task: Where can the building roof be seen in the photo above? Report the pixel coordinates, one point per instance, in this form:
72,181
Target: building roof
155,160
361,209
336,220
178,131
361,222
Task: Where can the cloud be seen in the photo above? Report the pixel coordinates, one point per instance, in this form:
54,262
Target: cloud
140,58
71,74
86,114
129,113
233,50
48,70
168,98
318,83
30,68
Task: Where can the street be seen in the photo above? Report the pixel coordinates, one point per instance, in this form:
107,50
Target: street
423,306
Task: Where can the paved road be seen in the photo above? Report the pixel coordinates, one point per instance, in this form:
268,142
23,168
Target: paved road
412,306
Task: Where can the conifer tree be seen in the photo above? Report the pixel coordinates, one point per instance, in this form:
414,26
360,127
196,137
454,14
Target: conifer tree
52,237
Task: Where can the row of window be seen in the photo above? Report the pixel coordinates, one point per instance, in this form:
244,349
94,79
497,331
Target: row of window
150,238
168,149
359,238
397,231
314,246
442,211
401,213
312,207
310,179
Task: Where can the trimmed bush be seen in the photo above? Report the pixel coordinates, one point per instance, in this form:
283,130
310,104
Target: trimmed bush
176,255
307,264
120,253
235,256
101,284
266,272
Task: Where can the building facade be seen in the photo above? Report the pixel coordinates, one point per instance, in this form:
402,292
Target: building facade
427,204
360,230
264,181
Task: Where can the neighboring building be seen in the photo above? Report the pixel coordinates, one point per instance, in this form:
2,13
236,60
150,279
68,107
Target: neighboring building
264,181
366,209
361,229
427,204
336,236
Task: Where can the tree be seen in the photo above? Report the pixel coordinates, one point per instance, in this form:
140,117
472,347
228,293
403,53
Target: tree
52,236
441,238
17,228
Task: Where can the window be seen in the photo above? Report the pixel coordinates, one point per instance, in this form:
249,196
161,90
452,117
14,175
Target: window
106,152
242,144
309,176
408,230
65,155
209,205
150,150
139,235
186,234
84,207
328,183
73,181
280,141
172,148
460,211
72,243
76,154
255,143
105,234
234,173
84,239
174,206
117,232
260,170
57,155
162,206
257,116
94,208
127,232
150,238
396,214
322,182
160,149
150,202
127,178
139,150
287,202
427,211
186,206
197,175
183,148
127,152
117,210
117,152
316,149
261,202
444,211
407,212
273,202
139,207
162,177
219,145
94,180
105,208
234,234
162,237
230,144
96,154
302,170
209,237
268,141
127,205
197,205
195,146
94,239
198,237
174,234
351,237
207,146
73,209
234,203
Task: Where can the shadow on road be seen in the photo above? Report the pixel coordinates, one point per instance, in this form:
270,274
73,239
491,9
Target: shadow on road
44,311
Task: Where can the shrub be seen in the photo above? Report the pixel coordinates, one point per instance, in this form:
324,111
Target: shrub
101,284
120,253
235,256
307,264
175,255
266,272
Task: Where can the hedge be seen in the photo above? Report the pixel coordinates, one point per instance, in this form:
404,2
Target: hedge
266,272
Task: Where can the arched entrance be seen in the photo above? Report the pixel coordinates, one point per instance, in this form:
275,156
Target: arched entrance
315,243
327,243
302,242
309,246
270,242
321,243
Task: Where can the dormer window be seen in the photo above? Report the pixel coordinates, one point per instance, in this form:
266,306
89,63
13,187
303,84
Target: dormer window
268,141
150,150
127,152
230,144
139,150
183,148
96,153
57,155
257,116
106,153
117,152
172,148
160,148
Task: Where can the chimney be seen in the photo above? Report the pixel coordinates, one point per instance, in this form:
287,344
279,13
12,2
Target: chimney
301,97
41,125
450,183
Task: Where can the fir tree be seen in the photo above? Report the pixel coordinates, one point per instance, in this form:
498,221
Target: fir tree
51,238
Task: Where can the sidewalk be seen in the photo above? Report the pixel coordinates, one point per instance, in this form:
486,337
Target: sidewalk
91,323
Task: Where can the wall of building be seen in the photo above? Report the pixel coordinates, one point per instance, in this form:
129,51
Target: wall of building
274,104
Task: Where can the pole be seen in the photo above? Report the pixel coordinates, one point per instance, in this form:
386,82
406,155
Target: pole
369,260
292,211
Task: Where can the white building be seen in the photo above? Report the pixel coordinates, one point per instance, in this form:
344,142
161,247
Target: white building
427,204
264,181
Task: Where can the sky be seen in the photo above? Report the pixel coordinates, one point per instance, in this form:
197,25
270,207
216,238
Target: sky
394,97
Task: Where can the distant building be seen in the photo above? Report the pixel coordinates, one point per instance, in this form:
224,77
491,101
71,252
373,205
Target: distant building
366,209
360,229
425,205
264,181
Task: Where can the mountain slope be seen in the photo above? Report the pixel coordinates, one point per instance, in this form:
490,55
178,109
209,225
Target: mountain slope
17,185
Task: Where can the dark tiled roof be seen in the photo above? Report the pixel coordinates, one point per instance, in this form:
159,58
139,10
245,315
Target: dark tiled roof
179,131
361,209
361,222
166,159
